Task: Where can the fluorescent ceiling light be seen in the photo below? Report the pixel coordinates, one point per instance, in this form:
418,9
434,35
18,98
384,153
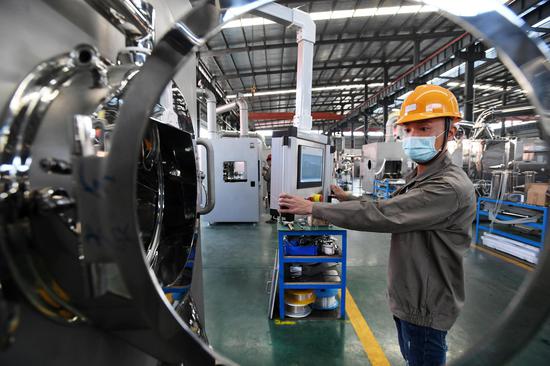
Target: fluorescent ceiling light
389,10
348,133
517,109
466,8
365,12
315,89
510,123
404,96
361,133
247,22
340,14
264,93
476,86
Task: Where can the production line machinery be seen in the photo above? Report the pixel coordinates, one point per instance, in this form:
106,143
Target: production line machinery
98,208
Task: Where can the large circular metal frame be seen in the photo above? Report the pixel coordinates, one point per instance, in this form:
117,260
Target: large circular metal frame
525,56
165,335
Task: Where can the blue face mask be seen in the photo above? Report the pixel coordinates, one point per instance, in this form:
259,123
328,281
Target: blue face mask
420,148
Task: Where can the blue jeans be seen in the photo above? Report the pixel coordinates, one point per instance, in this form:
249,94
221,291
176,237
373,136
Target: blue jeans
421,346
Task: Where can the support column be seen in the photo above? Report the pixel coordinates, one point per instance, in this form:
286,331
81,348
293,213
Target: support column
352,133
416,52
366,117
504,100
343,127
352,125
366,128
385,102
473,53
469,91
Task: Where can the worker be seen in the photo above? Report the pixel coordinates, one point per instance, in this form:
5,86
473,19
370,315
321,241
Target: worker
266,174
430,219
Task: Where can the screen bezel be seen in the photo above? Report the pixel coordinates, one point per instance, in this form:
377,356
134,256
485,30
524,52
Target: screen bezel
299,183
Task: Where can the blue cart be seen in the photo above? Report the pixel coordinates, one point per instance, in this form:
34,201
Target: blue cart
541,224
284,231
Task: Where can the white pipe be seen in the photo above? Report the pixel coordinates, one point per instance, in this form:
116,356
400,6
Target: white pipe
243,113
389,130
210,111
305,37
226,107
261,138
243,116
304,79
392,118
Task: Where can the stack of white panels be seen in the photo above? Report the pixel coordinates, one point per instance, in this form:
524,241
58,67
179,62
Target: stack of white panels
513,247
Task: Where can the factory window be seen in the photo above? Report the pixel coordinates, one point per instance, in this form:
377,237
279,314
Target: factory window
234,171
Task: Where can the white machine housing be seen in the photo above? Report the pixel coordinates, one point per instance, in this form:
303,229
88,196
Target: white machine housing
287,147
237,180
373,159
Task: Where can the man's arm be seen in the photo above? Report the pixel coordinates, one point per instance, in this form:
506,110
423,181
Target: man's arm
342,195
422,208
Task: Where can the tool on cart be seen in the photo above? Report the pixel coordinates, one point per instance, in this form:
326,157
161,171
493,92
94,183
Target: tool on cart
310,245
325,299
297,302
295,270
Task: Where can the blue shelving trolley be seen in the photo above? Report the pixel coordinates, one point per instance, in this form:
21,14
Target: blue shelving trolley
285,232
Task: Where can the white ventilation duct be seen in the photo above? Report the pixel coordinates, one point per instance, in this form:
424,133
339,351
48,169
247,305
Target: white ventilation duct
243,113
243,116
392,118
210,111
305,38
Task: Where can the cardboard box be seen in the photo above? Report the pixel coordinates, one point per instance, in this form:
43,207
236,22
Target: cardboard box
537,194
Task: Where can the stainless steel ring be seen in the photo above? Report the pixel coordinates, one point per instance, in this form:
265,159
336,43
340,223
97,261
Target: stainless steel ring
167,338
525,56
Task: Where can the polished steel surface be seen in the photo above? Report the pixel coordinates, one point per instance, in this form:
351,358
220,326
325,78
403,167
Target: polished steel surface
210,188
86,284
25,111
170,339
21,121
134,18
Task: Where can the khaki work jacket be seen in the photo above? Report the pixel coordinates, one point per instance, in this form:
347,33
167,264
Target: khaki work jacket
430,219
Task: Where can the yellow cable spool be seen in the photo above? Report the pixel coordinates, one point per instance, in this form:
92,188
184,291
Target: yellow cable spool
299,297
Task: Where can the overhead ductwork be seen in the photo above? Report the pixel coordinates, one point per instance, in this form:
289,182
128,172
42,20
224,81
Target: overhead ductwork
210,99
243,114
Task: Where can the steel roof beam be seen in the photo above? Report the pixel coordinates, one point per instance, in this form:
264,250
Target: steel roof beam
412,36
368,65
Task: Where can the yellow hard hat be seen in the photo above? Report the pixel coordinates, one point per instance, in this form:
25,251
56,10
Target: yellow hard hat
429,101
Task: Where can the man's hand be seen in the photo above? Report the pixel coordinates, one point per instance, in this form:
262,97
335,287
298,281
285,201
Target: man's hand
294,205
340,194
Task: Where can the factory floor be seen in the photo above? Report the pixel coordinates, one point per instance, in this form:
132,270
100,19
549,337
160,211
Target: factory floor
238,259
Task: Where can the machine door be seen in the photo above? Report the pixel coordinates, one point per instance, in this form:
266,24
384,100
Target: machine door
238,180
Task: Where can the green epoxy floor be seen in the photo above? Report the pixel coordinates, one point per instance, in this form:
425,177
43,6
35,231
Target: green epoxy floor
238,259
